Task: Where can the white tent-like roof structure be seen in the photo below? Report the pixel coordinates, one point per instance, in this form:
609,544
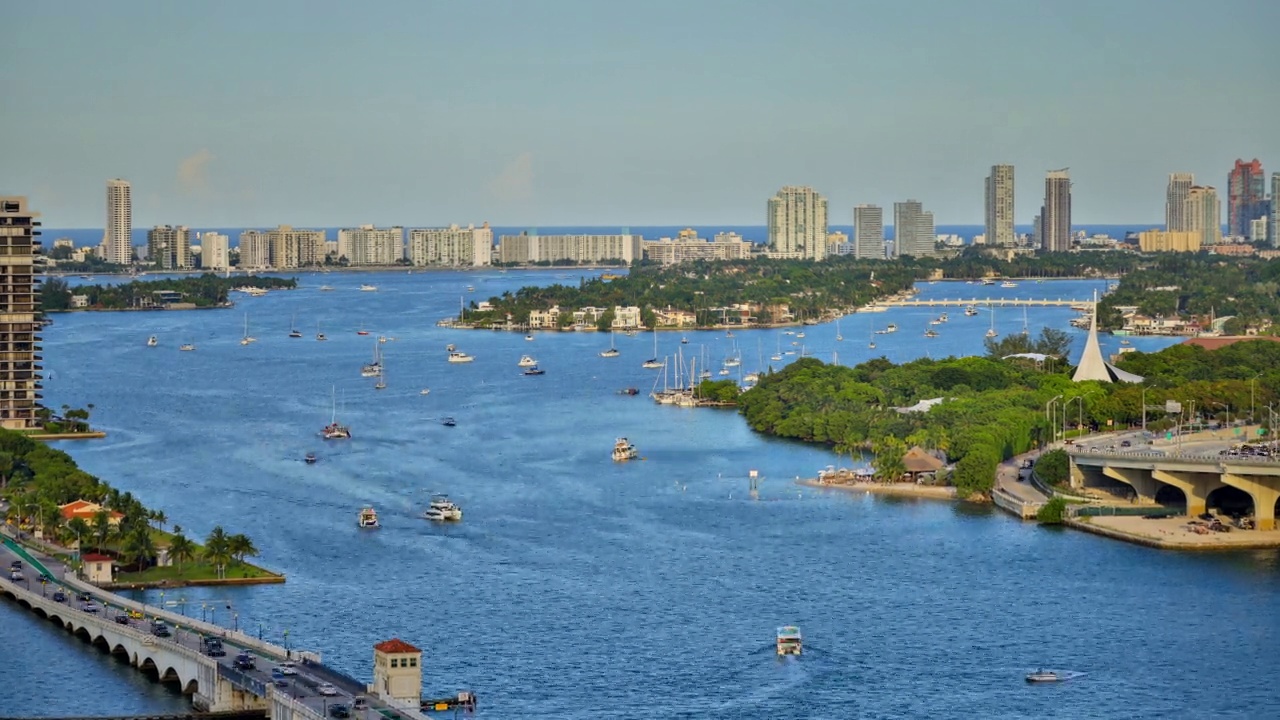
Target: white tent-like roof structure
1092,366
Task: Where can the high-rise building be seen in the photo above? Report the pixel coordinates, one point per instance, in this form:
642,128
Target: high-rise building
1169,241
1246,190
1055,216
282,248
999,202
1175,219
798,223
913,231
530,247
1204,214
169,247
368,245
117,242
687,247
1272,234
452,246
1258,229
215,251
255,250
868,232
19,334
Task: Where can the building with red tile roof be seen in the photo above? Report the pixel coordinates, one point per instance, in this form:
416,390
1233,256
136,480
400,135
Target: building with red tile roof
1213,343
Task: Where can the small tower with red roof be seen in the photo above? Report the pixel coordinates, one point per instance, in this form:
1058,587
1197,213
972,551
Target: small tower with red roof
397,671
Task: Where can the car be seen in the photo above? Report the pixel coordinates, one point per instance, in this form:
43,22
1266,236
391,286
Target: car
215,651
360,702
325,688
16,564
1125,443
160,629
289,668
245,661
279,682
89,607
59,596
84,597
122,619
276,672
339,710
15,576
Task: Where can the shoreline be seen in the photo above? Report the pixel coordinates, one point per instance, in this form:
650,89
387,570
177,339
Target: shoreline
931,492
1170,534
331,270
272,579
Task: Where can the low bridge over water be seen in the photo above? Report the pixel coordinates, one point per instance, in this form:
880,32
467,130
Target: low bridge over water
978,302
1201,481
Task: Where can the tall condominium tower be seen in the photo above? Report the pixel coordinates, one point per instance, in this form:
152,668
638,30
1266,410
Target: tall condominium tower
1274,220
19,334
169,247
1246,189
118,240
913,232
798,223
215,251
1055,216
1204,214
1175,218
868,232
1000,206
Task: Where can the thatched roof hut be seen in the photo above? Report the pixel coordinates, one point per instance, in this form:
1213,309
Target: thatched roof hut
919,462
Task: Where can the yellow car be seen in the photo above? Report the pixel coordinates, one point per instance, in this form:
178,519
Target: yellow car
135,615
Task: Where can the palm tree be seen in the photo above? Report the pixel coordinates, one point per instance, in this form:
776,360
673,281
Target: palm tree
217,549
101,528
158,517
181,550
77,527
241,547
7,460
139,547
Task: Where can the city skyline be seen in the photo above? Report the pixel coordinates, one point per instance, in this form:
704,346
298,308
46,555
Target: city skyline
600,119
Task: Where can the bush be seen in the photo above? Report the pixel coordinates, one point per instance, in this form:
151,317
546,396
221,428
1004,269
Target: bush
1053,467
1053,511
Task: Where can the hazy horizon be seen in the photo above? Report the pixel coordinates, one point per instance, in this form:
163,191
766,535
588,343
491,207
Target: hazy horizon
572,113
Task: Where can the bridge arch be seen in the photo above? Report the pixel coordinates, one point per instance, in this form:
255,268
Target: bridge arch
1171,496
1231,500
148,668
39,611
101,643
120,651
192,687
83,633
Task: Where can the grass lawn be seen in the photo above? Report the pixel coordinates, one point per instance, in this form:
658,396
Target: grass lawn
191,571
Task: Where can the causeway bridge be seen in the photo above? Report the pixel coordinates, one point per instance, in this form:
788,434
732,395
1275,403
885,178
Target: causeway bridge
214,684
980,302
1199,480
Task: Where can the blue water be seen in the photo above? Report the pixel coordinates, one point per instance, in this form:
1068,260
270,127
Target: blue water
581,588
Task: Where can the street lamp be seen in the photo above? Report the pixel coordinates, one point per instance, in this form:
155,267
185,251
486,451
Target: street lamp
1051,418
1144,411
1252,380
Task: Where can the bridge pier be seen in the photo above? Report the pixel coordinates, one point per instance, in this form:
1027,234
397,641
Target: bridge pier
1264,492
1195,486
1141,481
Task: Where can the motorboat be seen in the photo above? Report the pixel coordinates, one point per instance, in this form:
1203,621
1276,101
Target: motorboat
448,422
424,391
309,458
988,281
624,450
368,288
930,333
970,311
471,288
187,347
450,347
1008,284
684,341
789,641
891,328
459,357
534,370
152,341
362,332
527,361
528,338
943,318
325,288
442,509
382,338
368,518
1045,676
799,334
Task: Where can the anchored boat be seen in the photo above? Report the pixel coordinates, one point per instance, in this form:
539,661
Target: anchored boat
368,519
789,641
624,450
442,509
1045,676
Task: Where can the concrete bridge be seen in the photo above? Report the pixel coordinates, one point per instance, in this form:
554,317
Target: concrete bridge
979,302
1199,481
214,684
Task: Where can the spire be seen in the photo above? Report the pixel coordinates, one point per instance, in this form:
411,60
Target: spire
1092,366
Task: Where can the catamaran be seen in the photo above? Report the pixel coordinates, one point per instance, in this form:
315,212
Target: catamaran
334,431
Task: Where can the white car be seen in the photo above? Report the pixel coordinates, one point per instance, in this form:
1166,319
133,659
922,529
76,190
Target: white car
326,689
288,668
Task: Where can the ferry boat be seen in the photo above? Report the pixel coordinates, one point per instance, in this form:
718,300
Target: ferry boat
534,370
152,341
442,509
623,450
309,458
526,361
187,347
459,357
1044,676
368,518
368,288
789,641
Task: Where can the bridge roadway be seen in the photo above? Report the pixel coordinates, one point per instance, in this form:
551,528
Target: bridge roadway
979,302
214,683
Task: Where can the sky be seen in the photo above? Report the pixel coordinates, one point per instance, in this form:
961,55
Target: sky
590,112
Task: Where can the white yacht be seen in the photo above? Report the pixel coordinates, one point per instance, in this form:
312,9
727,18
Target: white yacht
527,361
152,341
368,288
368,518
187,347
325,288
442,509
1008,284
624,450
460,357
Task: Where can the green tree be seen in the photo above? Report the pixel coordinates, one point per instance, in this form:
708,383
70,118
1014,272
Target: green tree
240,547
101,529
138,546
181,550
79,529
217,550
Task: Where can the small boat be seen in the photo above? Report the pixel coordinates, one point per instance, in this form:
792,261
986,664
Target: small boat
528,338
612,352
309,458
152,341
623,450
442,509
362,332
1008,284
294,332
872,344
382,338
325,288
187,347
629,391
471,288
450,347
368,288
751,378
424,391
988,281
526,361
789,641
381,384
970,311
534,370
1045,676
684,341
799,334
334,431
320,337
943,318
991,332
449,422
459,357
892,328
368,518
930,333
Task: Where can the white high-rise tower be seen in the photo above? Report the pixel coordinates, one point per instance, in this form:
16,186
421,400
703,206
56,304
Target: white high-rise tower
798,223
117,242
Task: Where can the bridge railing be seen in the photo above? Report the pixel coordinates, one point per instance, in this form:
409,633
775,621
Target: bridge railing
1205,458
242,681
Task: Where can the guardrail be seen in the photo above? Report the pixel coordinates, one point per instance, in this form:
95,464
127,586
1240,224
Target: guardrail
1206,458
1006,501
235,677
1049,491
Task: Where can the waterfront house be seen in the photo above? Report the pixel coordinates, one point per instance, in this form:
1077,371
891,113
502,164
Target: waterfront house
626,318
544,319
676,318
98,569
85,510
397,671
79,301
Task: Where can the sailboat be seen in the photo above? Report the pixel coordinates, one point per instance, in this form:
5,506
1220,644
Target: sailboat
382,375
777,355
334,431
991,332
1025,330
373,369
319,335
612,352
246,339
294,332
839,337
654,363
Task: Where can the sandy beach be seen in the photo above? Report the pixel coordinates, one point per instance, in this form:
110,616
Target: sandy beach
1172,533
934,492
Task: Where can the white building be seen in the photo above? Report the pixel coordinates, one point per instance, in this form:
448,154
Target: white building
397,672
117,242
1258,229
797,224
999,196
687,246
453,246
215,251
868,232
529,247
368,245
169,247
913,232
286,247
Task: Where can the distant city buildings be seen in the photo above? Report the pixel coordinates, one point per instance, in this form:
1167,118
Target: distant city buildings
1258,229
169,247
19,333
999,207
453,246
913,230
1272,233
529,247
868,232
368,245
117,241
1175,213
1055,214
797,218
1203,214
1246,196
215,252
838,243
1170,241
688,246
282,249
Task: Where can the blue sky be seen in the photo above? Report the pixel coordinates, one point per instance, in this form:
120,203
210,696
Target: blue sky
576,112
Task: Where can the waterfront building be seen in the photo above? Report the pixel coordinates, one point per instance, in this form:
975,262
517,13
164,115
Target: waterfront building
215,251
453,246
255,250
1175,218
687,246
530,247
1055,215
913,231
999,206
117,241
1037,231
1203,214
169,247
1258,229
397,672
868,232
368,245
1169,240
1246,193
1274,213
19,333
285,248
797,219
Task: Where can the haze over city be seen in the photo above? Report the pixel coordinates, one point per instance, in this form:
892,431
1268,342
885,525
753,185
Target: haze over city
588,113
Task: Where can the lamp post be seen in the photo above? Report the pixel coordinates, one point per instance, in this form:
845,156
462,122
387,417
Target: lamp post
1144,411
1252,380
1051,418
